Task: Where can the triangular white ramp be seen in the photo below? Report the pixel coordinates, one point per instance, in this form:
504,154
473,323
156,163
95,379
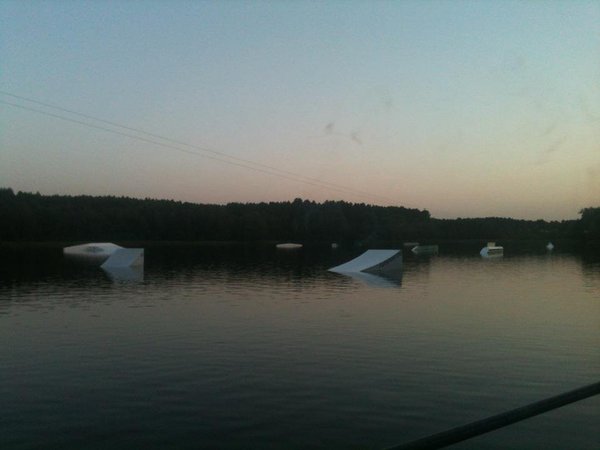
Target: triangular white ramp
372,261
134,273
125,257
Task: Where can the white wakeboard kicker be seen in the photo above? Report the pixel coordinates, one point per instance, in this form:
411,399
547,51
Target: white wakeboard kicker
372,261
125,257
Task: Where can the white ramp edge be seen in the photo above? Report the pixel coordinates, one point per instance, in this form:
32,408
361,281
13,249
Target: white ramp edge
125,257
117,274
372,261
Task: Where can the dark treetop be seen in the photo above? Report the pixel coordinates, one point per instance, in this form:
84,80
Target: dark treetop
35,217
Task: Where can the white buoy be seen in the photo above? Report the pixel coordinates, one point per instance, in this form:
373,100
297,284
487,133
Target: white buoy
550,246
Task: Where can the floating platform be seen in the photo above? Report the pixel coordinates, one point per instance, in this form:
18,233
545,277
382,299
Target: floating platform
372,261
491,249
425,249
94,251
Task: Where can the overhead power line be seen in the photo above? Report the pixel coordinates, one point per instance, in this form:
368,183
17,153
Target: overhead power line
161,144
176,145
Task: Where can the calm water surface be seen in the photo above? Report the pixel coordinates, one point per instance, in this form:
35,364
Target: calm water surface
251,348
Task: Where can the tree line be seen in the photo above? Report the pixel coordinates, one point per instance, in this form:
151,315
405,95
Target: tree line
34,217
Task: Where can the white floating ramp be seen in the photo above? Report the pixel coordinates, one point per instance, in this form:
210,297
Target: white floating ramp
93,250
374,261
135,273
125,257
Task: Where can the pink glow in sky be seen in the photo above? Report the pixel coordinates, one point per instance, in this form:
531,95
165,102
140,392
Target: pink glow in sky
467,109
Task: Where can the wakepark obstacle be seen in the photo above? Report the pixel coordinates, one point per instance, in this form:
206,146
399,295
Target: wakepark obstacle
372,261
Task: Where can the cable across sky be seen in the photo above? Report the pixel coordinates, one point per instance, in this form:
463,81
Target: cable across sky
469,110
177,145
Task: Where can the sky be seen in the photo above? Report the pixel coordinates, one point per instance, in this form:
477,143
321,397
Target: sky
463,108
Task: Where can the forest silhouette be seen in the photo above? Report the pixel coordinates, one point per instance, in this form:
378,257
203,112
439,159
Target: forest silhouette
35,217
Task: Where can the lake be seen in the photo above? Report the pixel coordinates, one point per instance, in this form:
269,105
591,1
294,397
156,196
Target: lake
247,347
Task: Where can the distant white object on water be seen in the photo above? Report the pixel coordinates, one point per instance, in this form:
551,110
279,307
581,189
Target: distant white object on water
334,245
492,250
288,246
425,249
99,251
374,261
550,246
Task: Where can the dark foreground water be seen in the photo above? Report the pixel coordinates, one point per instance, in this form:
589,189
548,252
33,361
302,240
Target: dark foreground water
251,348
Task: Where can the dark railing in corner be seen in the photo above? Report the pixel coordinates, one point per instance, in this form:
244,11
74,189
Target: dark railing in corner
464,432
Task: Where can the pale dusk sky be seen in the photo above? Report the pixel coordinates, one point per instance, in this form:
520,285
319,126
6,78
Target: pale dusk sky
463,108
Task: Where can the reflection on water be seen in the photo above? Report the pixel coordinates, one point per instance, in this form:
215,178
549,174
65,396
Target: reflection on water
382,280
236,347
